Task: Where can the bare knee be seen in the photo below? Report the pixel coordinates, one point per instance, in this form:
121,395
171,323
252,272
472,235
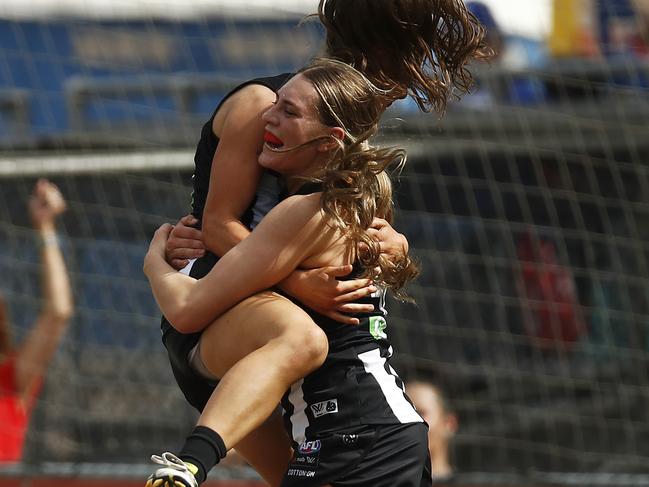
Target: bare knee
306,347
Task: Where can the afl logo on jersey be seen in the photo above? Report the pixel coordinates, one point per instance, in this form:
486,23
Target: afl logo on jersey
309,447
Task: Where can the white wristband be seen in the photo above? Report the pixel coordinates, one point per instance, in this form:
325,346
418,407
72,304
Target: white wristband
48,239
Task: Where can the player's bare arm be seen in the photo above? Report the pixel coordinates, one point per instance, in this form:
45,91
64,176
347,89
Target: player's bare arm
235,172
320,289
292,233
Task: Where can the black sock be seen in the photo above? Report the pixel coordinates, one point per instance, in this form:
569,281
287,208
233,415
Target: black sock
203,448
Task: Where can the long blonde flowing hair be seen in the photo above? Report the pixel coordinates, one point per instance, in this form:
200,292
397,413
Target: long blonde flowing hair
355,181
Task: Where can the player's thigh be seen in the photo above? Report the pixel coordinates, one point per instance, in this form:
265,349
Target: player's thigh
253,323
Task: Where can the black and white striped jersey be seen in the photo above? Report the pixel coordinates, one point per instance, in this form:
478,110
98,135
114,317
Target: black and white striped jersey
356,384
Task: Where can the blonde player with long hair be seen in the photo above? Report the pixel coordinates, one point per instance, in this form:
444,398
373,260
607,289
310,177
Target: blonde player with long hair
404,46
350,415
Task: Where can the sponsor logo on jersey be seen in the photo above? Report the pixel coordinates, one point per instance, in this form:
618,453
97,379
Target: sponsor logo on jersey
377,327
307,456
325,407
299,472
309,447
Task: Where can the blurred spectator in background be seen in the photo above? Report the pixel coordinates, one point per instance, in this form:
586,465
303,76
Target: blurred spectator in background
549,295
484,93
573,32
432,404
494,38
642,11
623,27
590,28
512,54
23,366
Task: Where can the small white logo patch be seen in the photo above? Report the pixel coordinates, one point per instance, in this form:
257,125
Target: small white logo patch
377,327
324,407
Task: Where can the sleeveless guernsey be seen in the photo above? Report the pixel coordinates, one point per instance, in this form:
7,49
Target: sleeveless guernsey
356,384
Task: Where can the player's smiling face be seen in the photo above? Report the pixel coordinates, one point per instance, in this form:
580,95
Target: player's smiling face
292,122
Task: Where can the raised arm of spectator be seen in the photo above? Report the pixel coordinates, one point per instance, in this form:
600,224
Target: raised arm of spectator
37,350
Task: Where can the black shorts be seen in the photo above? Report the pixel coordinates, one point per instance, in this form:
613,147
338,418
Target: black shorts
196,388
376,456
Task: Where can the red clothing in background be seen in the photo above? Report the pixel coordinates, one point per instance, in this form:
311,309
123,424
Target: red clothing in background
550,294
14,414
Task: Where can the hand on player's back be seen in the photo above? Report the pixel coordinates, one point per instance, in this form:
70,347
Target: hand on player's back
320,290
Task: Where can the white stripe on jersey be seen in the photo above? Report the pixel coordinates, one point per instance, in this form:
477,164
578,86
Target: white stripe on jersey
299,419
188,268
375,364
381,293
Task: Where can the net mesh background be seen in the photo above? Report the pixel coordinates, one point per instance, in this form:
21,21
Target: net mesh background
527,206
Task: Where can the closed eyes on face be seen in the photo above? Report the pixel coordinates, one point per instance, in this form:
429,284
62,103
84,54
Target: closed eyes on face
298,98
287,106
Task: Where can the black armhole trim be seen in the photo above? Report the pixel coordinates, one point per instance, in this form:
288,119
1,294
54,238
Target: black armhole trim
273,83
